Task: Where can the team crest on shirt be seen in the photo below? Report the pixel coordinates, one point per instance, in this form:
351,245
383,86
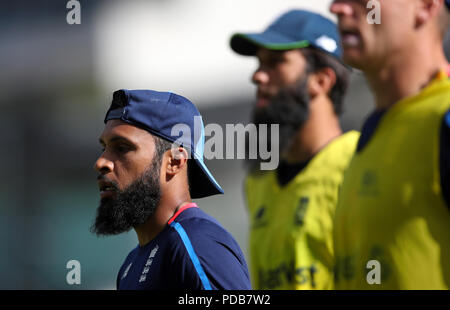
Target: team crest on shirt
259,219
369,184
301,211
148,264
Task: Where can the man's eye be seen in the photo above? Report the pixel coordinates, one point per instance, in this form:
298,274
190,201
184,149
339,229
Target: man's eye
276,59
271,62
122,148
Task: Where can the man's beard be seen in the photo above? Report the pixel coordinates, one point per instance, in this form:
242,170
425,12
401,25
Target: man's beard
131,207
290,109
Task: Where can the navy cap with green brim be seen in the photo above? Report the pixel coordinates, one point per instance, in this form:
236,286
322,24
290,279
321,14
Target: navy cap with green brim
292,30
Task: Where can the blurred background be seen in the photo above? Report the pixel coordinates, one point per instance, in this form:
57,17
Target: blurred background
57,81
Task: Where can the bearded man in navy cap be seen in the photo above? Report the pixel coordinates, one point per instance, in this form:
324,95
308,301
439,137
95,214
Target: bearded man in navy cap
147,176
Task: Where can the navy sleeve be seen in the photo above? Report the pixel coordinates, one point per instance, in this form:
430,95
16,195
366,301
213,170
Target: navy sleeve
182,274
119,274
222,264
445,158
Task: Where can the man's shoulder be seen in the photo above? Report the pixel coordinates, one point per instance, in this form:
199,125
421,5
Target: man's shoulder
198,225
205,234
344,144
264,178
334,158
329,163
202,240
133,253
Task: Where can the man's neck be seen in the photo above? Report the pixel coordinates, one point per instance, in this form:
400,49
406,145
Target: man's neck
158,221
402,76
321,127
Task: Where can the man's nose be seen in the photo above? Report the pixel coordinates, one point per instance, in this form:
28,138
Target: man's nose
103,165
341,7
260,77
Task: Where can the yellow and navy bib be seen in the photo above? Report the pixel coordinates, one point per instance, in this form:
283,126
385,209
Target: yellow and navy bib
291,226
391,218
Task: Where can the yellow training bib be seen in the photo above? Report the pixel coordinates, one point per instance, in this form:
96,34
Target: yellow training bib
391,223
291,229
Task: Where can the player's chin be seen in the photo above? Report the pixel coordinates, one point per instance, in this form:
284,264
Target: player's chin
108,230
108,194
106,225
105,200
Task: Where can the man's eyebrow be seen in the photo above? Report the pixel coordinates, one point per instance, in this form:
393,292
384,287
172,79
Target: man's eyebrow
116,139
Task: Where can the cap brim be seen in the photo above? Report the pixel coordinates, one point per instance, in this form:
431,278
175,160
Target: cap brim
201,181
247,44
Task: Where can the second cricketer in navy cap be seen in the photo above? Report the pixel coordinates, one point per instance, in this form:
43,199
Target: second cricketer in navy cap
300,85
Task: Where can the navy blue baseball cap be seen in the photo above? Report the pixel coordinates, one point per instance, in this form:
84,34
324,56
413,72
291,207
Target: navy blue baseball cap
173,118
292,30
447,2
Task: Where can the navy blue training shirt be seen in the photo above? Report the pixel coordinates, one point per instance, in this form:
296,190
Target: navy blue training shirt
371,124
192,252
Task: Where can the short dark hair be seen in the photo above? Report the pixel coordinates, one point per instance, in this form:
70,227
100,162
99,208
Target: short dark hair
316,60
161,146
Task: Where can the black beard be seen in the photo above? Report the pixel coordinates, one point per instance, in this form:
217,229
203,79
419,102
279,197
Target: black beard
290,109
131,207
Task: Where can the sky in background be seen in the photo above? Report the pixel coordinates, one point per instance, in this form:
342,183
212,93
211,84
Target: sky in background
182,46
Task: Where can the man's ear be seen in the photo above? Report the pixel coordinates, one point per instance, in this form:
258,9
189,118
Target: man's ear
177,160
426,10
321,81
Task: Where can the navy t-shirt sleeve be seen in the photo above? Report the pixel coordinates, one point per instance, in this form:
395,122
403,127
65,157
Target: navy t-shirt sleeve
214,260
445,158
182,272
